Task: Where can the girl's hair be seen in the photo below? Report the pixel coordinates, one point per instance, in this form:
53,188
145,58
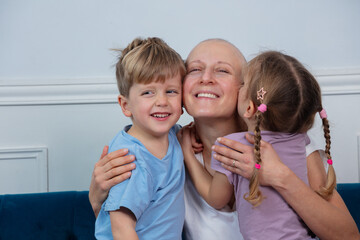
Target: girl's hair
292,98
147,60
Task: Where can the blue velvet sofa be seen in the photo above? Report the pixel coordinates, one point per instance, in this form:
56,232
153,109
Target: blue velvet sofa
68,215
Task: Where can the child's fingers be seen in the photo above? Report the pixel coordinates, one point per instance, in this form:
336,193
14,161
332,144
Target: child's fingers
250,138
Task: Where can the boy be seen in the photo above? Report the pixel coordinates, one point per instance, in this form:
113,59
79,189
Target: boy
149,205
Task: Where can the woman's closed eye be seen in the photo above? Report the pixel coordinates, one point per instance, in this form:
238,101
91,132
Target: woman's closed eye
222,70
194,69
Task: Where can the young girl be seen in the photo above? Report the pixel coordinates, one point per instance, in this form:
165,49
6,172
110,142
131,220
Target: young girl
278,101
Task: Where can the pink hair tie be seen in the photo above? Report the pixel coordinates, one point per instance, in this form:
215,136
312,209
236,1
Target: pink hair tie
257,166
323,114
329,161
262,108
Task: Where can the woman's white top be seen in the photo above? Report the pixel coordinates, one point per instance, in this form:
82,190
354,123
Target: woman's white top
203,222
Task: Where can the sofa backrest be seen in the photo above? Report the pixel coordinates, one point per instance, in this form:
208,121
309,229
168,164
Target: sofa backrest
350,193
68,215
48,216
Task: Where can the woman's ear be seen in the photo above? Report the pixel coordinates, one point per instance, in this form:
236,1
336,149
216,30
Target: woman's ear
250,110
123,102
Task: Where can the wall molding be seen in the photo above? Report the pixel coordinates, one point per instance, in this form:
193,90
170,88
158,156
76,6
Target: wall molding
29,91
19,92
340,81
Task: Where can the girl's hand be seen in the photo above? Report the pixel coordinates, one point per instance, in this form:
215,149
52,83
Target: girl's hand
196,143
190,137
185,139
239,158
111,169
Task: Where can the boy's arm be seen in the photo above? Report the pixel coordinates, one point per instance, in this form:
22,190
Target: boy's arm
123,223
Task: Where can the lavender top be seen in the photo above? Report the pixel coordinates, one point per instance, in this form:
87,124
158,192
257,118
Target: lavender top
273,218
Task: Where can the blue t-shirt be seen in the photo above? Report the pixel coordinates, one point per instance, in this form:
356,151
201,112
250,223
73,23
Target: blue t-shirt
154,192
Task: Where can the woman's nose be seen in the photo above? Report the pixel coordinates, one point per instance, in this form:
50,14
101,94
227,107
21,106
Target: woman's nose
207,77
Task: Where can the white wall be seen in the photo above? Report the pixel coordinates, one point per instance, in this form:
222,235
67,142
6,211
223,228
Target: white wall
57,86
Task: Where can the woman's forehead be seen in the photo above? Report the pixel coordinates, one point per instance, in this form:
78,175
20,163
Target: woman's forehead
216,51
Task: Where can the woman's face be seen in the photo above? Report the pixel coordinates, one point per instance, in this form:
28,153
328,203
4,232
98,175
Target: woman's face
213,78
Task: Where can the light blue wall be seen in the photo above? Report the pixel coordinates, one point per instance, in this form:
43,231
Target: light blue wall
57,85
48,38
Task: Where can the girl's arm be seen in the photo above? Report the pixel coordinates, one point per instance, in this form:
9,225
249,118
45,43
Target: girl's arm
123,223
111,169
327,219
216,190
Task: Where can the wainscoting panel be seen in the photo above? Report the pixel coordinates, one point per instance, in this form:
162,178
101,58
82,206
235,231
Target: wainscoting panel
23,170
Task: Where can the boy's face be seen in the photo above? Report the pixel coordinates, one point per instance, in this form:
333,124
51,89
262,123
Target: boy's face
154,107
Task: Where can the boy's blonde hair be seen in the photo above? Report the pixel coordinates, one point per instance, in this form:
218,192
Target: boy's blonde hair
147,60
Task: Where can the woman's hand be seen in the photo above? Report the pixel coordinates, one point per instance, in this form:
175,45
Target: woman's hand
111,169
239,158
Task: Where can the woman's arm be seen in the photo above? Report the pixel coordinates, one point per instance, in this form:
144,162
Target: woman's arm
123,223
216,190
111,169
327,219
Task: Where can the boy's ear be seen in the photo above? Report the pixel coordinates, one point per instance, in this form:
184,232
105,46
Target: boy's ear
123,102
250,110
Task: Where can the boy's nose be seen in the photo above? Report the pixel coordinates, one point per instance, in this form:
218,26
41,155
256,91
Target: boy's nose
161,100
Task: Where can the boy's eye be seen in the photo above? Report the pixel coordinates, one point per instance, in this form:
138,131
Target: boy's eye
172,91
146,93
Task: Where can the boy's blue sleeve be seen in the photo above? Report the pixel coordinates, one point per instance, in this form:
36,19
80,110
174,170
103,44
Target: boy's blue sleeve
176,128
134,193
